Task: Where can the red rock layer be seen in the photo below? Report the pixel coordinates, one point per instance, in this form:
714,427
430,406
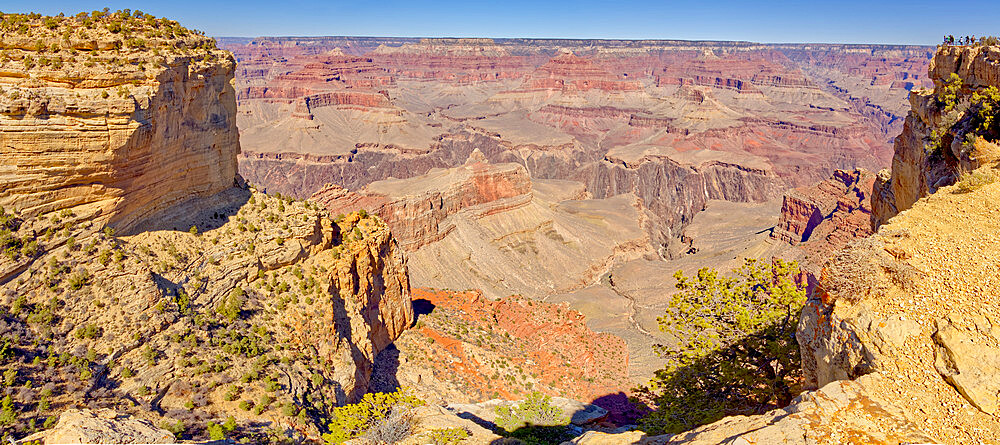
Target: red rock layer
419,218
568,72
455,61
825,217
549,342
741,72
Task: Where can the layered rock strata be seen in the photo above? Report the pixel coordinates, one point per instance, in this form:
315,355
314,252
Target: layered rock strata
111,142
416,209
239,305
918,169
824,218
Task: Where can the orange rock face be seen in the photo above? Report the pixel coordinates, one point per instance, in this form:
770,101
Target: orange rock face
479,344
417,209
823,218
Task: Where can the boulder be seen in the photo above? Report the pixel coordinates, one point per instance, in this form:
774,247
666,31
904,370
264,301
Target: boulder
101,426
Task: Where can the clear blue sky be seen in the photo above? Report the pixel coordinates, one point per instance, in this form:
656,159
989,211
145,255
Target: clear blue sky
855,21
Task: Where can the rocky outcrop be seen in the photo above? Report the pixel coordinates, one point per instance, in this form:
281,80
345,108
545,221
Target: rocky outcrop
115,143
102,426
238,301
417,208
824,218
840,412
918,169
467,348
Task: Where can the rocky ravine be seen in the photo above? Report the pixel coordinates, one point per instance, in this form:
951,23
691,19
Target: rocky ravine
235,304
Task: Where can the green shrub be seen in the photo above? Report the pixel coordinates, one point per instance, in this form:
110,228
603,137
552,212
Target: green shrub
8,413
535,409
89,331
447,436
150,355
231,305
351,421
78,280
215,431
736,352
245,405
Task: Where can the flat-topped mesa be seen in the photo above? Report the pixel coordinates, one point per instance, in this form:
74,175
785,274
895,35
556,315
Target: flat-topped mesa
115,117
937,145
417,208
568,72
457,61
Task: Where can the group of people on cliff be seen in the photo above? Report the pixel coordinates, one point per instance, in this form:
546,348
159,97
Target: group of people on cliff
969,40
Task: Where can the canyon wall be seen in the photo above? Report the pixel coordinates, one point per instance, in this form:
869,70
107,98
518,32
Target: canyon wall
899,338
116,145
568,109
824,218
918,168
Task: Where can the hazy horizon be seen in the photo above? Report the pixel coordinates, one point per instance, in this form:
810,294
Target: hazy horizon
845,22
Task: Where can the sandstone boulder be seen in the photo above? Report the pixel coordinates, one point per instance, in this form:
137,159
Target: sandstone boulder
969,364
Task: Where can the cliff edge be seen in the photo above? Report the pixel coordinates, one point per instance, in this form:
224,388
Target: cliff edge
900,339
937,144
116,117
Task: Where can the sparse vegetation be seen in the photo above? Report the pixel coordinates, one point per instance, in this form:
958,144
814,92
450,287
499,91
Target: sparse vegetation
966,114
736,351
975,180
533,421
375,410
447,436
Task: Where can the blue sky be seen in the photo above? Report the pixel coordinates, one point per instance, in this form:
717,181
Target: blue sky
870,21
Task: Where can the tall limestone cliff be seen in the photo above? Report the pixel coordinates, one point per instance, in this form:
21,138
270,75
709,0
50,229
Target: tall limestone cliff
114,118
919,167
219,301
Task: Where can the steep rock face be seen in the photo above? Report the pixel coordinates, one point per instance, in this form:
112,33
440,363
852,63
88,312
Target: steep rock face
117,145
824,218
417,208
674,186
916,171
